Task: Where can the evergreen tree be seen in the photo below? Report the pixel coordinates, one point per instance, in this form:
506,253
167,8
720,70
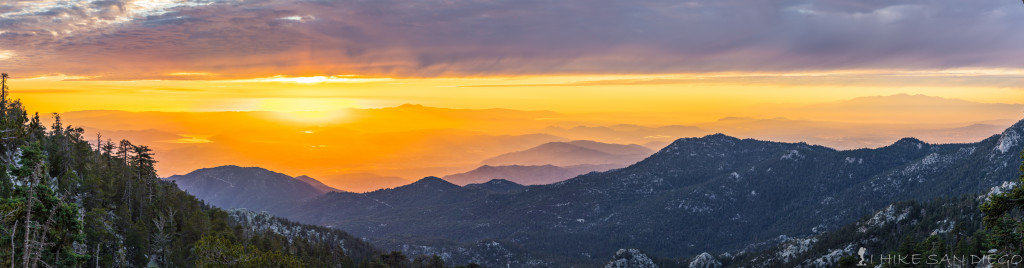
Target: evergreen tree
1003,218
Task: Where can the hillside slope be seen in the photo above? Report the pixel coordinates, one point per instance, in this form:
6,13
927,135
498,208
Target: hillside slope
244,187
319,186
728,192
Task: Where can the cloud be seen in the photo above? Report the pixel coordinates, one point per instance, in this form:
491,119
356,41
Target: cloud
945,78
247,39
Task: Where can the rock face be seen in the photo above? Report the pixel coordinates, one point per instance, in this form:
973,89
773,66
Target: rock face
631,258
705,260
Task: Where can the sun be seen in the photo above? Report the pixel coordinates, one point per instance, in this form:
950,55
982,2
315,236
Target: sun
307,110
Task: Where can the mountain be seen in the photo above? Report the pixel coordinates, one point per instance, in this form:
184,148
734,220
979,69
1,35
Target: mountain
728,193
408,202
244,187
497,186
529,175
954,220
580,152
854,135
627,133
319,186
364,182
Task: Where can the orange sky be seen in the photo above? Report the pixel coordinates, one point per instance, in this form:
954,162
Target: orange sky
700,97
315,87
334,128
337,130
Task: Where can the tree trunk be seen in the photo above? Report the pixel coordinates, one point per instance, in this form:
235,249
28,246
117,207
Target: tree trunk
13,231
28,221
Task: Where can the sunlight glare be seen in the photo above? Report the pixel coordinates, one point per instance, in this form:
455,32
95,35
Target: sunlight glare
307,110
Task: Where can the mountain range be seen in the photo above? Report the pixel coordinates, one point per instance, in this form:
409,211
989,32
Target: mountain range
710,194
883,231
553,162
412,141
529,175
579,152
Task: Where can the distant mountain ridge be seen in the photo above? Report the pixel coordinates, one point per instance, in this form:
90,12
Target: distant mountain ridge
365,182
230,187
553,162
579,152
767,188
528,175
497,186
323,188
710,194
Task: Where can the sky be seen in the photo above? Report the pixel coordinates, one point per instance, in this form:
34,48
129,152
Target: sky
890,67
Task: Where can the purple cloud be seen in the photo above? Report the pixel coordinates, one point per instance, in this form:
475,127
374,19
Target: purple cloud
130,40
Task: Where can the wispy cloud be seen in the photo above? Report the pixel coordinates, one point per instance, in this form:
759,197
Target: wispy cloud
988,78
122,39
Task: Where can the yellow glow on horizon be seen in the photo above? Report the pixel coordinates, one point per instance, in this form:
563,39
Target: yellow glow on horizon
191,74
313,79
312,116
688,97
306,110
193,138
334,125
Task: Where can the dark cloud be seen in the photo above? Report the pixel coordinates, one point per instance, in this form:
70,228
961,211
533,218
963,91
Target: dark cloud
125,40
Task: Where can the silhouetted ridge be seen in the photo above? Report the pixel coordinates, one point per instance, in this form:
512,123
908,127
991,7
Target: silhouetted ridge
719,136
233,169
526,174
245,187
497,186
320,186
432,182
909,142
579,152
500,182
717,139
1018,126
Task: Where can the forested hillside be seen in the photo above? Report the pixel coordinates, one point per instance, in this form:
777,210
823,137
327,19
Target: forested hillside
947,232
711,194
941,227
67,200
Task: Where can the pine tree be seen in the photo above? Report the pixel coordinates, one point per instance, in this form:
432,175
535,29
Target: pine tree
1003,218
